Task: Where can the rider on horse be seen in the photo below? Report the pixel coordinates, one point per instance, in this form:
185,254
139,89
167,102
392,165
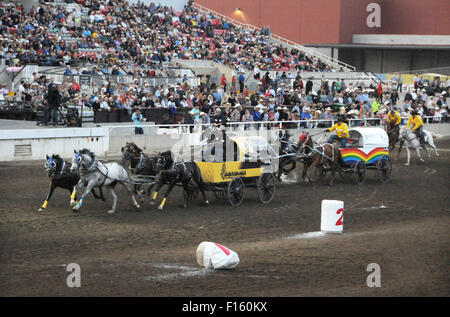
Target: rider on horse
341,132
394,119
417,125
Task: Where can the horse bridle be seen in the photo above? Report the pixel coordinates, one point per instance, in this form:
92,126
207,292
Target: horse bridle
52,170
305,145
86,169
130,152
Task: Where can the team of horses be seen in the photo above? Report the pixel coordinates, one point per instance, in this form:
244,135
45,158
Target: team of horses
86,170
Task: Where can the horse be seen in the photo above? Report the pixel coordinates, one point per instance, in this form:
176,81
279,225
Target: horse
138,162
306,150
287,153
413,142
58,170
171,172
94,173
321,157
393,132
130,155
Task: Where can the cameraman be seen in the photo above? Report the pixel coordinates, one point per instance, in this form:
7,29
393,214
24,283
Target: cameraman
53,99
137,118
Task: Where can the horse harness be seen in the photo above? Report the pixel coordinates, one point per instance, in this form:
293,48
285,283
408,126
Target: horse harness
93,166
63,171
322,153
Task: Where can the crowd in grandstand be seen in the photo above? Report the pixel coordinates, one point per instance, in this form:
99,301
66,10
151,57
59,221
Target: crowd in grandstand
118,32
135,39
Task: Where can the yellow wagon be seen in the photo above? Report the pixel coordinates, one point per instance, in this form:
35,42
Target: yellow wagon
239,162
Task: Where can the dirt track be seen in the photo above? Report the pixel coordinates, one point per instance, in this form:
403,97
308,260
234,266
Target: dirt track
152,253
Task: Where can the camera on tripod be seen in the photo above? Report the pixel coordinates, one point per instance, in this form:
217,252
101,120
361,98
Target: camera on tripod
72,117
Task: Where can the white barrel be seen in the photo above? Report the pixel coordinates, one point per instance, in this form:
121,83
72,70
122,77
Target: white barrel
332,218
216,256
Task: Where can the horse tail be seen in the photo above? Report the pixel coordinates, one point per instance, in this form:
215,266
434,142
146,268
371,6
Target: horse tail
435,135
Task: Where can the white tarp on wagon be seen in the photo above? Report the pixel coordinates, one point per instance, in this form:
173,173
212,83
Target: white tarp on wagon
369,137
216,256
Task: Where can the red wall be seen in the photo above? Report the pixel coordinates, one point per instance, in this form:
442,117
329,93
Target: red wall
430,17
291,20
335,21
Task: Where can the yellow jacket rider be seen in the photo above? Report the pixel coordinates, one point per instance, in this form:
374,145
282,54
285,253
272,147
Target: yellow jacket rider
416,122
394,117
341,132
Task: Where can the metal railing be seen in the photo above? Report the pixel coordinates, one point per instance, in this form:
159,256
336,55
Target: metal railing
292,124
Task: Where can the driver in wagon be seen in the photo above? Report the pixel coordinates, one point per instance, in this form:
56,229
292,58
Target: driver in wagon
341,132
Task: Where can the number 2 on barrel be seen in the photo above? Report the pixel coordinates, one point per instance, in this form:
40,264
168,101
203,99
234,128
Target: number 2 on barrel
340,211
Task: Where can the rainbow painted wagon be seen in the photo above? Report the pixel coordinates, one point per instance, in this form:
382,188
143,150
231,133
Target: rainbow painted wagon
367,149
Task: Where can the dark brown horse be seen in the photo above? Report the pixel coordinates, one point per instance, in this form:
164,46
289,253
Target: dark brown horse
139,163
321,158
393,132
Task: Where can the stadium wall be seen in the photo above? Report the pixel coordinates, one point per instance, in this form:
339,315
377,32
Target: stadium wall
335,21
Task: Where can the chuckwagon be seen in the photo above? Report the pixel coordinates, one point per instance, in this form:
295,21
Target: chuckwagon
367,148
235,163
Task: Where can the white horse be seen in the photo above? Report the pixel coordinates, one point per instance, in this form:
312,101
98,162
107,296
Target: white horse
96,174
413,142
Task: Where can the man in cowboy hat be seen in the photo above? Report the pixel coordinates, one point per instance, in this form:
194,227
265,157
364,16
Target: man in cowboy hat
341,132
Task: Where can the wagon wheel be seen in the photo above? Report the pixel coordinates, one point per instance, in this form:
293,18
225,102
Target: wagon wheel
266,187
219,194
236,192
384,169
319,174
360,172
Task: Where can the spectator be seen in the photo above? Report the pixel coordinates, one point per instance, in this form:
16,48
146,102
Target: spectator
137,118
53,100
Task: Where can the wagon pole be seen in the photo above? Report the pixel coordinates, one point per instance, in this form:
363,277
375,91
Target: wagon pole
317,134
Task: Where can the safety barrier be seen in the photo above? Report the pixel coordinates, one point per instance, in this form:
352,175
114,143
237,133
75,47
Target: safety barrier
107,140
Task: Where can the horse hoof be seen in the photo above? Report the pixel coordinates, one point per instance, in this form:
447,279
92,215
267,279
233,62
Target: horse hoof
205,203
72,203
137,206
406,164
185,206
40,209
160,208
151,203
111,211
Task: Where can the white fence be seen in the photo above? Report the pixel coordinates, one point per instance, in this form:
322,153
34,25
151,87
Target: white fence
107,141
